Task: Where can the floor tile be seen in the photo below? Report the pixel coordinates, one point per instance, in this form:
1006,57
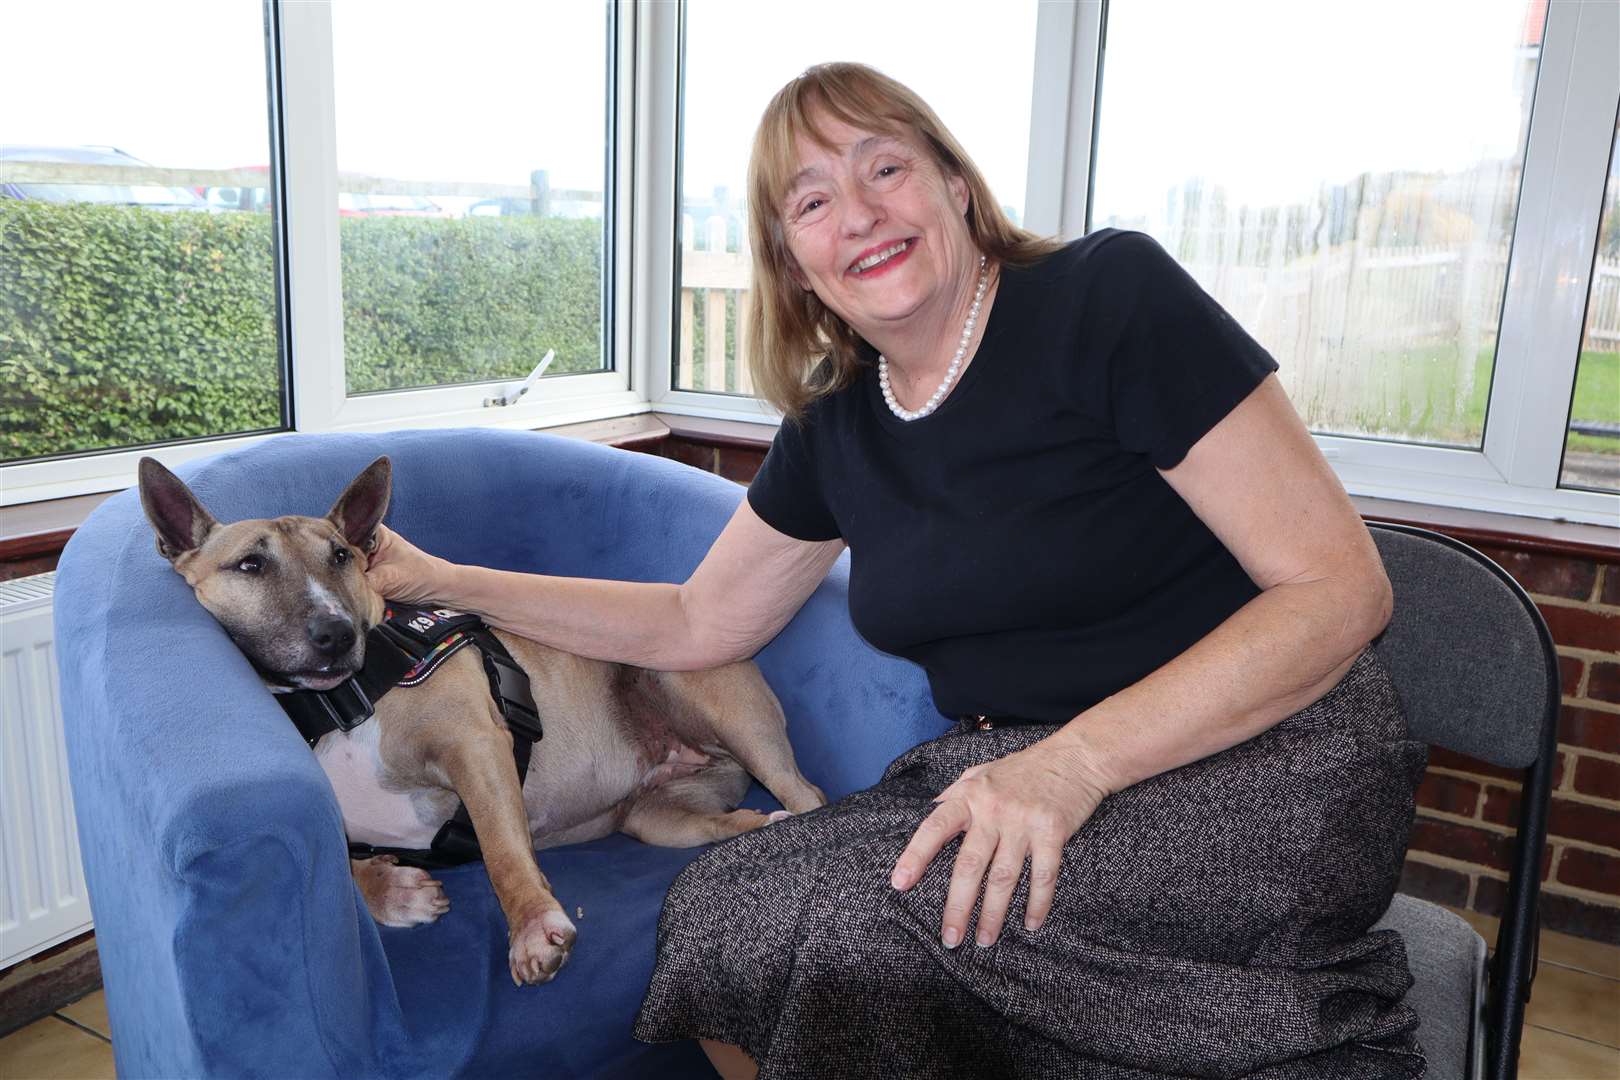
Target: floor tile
1575,1003
91,1011
1547,1055
52,1049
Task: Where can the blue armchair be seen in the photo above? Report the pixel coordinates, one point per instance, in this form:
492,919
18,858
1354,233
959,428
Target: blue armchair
232,938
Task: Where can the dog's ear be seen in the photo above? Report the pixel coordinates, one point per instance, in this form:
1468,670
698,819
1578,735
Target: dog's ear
360,509
180,521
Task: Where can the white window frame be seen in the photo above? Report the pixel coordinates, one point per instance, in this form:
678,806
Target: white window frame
1516,471
1572,125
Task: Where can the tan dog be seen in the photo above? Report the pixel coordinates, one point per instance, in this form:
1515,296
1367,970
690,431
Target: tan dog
662,756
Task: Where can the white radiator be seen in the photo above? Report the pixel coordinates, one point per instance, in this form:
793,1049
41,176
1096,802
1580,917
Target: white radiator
42,895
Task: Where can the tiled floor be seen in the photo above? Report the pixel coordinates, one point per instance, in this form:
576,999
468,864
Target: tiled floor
1572,1027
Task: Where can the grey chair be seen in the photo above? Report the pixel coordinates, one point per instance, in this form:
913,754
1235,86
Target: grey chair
1476,670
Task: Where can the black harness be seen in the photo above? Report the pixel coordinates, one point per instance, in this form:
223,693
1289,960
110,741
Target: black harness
403,650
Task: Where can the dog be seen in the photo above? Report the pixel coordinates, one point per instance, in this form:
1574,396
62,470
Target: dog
662,756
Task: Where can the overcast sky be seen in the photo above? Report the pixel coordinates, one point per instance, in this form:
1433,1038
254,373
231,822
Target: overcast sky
1269,97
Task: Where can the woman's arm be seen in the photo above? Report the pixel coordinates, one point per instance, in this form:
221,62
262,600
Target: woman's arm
1260,484
748,586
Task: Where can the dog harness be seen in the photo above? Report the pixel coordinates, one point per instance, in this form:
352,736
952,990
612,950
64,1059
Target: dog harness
408,646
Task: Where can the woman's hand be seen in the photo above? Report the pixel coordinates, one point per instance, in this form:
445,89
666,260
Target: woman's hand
401,571
1024,806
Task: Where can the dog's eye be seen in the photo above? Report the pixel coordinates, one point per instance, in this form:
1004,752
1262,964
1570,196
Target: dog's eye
251,564
340,556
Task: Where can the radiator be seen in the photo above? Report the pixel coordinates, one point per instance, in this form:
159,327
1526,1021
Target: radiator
42,894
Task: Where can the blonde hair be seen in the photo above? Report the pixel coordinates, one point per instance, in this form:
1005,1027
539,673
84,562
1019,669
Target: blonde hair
789,330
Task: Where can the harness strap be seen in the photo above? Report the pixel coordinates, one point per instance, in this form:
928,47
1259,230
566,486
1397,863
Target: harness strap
404,650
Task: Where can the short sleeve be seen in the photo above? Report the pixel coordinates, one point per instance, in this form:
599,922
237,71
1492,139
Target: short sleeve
786,493
1177,362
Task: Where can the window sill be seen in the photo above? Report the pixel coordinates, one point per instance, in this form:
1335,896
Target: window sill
42,528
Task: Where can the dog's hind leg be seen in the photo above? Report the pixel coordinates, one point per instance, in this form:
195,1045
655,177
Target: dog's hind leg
733,708
696,809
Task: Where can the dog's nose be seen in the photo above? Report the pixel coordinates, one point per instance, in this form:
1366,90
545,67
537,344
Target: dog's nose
331,635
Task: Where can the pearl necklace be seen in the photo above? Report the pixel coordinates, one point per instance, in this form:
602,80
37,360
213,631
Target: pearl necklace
938,395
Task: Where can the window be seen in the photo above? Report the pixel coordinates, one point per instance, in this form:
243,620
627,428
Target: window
1360,231
974,65
472,158
138,300
1592,445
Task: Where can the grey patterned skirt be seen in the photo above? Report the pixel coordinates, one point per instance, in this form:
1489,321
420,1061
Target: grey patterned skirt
1211,921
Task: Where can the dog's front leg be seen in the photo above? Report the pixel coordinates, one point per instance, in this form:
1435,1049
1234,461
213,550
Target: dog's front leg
540,933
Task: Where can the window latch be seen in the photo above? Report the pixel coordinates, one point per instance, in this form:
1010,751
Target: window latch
509,394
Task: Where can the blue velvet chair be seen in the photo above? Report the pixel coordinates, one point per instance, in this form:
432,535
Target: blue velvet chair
232,939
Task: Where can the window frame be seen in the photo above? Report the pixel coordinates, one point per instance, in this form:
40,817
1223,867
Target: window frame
1555,236
1515,472
302,127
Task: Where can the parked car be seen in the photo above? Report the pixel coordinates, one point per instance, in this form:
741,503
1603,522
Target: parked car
151,196
356,204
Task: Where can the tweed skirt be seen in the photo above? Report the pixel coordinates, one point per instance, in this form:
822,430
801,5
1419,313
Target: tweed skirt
1211,921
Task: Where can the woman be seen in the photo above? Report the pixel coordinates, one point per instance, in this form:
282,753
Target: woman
1074,491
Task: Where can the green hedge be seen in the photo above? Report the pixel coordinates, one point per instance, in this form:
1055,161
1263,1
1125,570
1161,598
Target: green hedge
120,325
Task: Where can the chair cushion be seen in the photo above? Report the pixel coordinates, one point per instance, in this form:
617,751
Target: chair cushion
1448,968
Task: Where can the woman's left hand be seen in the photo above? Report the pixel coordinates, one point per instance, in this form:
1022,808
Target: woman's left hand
1024,806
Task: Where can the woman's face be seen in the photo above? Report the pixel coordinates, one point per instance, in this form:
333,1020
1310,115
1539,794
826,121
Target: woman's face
876,229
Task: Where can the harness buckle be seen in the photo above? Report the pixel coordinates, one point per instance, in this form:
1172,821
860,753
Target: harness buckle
347,704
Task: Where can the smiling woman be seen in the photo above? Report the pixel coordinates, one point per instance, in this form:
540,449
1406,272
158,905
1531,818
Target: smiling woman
724,81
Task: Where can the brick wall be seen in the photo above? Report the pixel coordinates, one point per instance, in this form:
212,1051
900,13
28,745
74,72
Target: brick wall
1466,808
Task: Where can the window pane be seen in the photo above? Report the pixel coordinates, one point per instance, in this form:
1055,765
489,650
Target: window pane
137,265
1592,447
975,66
472,154
1344,186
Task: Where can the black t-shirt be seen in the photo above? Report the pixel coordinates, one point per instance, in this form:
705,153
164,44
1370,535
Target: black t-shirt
1018,542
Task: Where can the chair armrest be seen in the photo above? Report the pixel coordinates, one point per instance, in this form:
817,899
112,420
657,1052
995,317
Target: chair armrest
851,709
231,936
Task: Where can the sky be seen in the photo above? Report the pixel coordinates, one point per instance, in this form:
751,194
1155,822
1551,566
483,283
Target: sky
1269,96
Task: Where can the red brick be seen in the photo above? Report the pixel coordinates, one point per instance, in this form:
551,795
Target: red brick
1590,870
1464,842
1591,729
1611,585
19,568
1449,794
1450,759
1604,683
1599,777
1549,575
1583,821
1436,883
1563,914
739,464
1569,674
1583,628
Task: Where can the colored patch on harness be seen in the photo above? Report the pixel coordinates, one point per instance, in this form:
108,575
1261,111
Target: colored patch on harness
430,663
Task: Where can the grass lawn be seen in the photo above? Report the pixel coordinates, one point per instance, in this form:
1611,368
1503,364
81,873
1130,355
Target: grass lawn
1411,394
1597,397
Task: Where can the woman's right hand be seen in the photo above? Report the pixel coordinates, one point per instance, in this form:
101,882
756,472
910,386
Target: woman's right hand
401,571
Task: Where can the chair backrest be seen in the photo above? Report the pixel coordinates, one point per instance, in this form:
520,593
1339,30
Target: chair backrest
1467,649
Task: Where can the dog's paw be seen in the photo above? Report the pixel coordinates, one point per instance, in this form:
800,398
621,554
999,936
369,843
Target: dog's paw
399,895
540,947
778,815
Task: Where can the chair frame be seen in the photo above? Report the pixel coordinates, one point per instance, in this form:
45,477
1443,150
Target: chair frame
1513,967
